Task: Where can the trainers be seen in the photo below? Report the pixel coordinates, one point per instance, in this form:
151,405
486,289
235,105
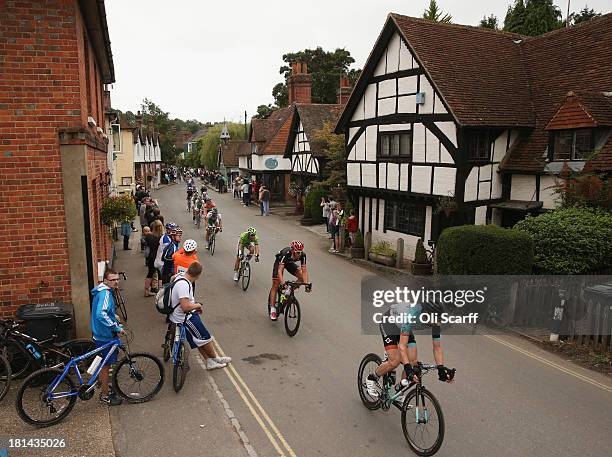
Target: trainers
212,364
372,386
110,400
224,360
273,314
235,276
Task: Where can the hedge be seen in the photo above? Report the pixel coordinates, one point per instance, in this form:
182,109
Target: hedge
484,250
570,240
312,205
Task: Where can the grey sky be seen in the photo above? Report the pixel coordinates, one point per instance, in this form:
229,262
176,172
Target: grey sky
211,60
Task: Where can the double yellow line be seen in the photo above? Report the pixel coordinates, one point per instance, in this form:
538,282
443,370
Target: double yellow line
551,364
267,425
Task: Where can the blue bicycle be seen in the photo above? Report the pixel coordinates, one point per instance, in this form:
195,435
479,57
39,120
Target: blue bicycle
180,355
48,395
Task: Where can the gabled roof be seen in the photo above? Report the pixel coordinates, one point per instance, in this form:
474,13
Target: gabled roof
244,149
271,134
602,161
313,117
230,152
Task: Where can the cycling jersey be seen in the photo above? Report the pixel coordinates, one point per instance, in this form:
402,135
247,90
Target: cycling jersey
182,260
409,316
245,239
213,221
284,257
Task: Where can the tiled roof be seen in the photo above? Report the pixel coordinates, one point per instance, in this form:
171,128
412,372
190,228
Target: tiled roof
244,149
230,152
571,114
272,133
602,160
313,118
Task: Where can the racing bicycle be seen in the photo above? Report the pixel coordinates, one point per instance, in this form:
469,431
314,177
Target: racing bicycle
422,418
119,299
287,304
244,271
48,395
212,240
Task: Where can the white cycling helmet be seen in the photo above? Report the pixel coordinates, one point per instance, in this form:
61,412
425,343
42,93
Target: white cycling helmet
190,245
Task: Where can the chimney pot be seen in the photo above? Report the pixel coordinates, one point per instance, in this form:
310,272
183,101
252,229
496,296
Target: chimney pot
299,84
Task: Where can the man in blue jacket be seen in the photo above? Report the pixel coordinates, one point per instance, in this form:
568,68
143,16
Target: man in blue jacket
104,327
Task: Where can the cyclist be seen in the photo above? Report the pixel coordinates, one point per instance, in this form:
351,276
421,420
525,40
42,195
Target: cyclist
213,222
208,204
197,205
204,191
400,345
247,240
190,192
286,260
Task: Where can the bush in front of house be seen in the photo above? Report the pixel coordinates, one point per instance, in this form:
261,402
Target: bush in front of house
312,205
484,250
570,240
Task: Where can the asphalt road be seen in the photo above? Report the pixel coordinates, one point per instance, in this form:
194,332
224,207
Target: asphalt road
298,396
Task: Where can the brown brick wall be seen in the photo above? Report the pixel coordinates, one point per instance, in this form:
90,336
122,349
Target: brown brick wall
42,91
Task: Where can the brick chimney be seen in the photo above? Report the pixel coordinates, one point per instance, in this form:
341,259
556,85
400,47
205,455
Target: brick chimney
299,84
344,91
138,119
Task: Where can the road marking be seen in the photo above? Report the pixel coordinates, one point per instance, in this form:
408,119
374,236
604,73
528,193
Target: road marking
551,364
234,378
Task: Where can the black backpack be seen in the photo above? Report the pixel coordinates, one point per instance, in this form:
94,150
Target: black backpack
163,299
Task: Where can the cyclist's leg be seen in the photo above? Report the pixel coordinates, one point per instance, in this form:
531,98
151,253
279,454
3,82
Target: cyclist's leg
238,255
252,248
275,284
390,336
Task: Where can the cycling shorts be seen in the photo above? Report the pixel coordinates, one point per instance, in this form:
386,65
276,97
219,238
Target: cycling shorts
242,247
391,335
291,267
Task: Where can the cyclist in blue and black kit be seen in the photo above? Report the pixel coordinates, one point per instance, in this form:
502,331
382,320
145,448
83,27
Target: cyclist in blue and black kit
400,344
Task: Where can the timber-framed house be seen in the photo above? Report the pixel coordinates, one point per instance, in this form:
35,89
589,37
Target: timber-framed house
452,125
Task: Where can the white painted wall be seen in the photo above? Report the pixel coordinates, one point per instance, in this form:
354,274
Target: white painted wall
547,196
481,215
258,162
421,179
523,187
352,174
243,162
368,175
444,181
371,140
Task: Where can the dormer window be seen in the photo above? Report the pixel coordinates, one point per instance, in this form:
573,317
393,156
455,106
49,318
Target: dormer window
576,144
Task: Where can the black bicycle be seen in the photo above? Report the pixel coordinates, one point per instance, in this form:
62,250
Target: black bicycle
168,339
5,376
422,418
25,353
212,240
119,301
287,304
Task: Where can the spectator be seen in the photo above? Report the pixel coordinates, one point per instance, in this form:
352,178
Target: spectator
167,255
143,244
326,211
152,241
246,196
255,191
333,218
183,301
126,231
104,326
351,227
339,223
185,256
142,213
265,197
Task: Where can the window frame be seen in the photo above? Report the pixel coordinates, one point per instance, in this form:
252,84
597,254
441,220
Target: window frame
123,180
476,134
572,154
396,227
388,136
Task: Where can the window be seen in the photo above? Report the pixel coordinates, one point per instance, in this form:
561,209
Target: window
116,137
478,145
573,144
405,218
126,181
395,144
253,148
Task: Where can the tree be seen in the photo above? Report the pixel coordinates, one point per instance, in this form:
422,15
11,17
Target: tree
264,111
532,17
490,22
326,69
585,14
334,172
208,146
434,13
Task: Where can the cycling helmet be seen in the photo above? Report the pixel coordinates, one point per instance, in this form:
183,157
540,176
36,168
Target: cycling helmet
297,245
171,226
251,231
207,199
190,246
178,231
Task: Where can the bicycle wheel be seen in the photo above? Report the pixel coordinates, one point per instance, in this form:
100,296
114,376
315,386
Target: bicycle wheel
367,367
138,377
212,244
292,316
33,404
18,357
168,340
181,367
246,276
423,426
5,376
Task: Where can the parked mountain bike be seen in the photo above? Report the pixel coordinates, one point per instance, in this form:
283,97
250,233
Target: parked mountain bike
212,241
244,271
119,301
287,304
422,418
5,376
48,395
26,353
180,355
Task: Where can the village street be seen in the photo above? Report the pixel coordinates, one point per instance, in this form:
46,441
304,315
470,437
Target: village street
298,396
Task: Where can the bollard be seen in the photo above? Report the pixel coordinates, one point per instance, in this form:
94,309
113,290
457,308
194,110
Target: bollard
342,240
399,253
555,326
367,244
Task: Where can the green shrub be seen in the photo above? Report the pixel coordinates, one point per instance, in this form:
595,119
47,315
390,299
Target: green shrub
570,240
484,250
420,255
358,239
312,205
383,248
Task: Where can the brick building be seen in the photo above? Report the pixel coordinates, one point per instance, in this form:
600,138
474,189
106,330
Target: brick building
55,58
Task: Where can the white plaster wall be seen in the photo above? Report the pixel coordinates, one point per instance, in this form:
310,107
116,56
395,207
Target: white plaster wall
370,101
359,113
445,156
369,175
407,85
243,162
386,88
386,106
496,184
406,104
394,127
547,196
352,174
499,146
258,162
444,181
523,187
382,174
418,143
393,54
427,107
471,185
481,215
404,167
439,107
406,60
484,191
359,148
450,131
371,139
352,132
381,66
421,179
393,176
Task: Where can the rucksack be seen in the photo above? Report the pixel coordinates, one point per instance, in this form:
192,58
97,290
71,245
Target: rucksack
163,298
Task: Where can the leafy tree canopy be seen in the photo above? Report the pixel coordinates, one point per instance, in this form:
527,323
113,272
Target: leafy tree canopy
207,148
532,17
326,69
585,14
434,13
334,173
490,22
264,111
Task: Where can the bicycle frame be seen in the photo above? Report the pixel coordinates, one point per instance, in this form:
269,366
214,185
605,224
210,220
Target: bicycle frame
114,344
177,344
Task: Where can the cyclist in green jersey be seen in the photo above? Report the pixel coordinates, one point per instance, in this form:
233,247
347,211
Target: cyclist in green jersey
213,222
248,240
